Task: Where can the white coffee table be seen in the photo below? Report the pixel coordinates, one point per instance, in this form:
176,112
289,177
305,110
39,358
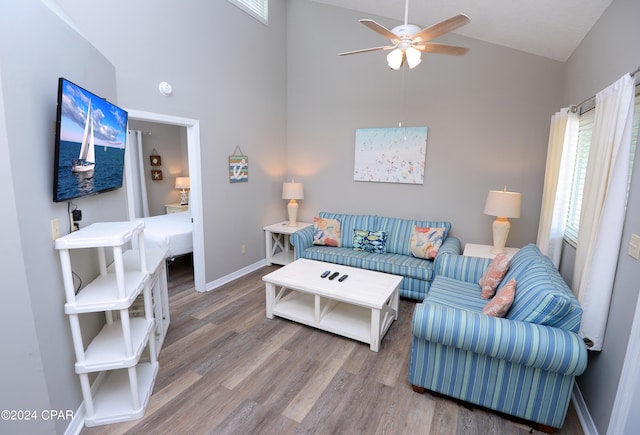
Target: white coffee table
361,308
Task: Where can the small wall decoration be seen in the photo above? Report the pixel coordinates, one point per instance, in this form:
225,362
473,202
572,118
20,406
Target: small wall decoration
155,159
238,167
390,155
156,175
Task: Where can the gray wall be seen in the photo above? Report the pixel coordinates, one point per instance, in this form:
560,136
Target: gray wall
607,52
229,72
487,112
38,358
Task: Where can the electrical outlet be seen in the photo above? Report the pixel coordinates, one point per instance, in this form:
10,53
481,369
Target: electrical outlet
243,249
55,228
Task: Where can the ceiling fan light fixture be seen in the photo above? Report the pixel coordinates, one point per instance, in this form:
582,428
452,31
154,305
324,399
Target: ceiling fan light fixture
414,57
395,58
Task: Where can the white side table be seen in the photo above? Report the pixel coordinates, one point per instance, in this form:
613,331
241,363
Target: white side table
277,242
175,208
484,251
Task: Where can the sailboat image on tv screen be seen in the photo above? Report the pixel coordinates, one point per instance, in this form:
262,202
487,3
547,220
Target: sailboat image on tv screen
86,161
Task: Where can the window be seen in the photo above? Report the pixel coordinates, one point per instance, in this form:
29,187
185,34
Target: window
585,128
258,9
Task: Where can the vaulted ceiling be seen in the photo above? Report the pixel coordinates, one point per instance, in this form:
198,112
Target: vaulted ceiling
549,28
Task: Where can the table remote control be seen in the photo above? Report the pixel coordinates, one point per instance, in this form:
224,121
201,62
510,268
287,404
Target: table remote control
325,274
334,274
343,277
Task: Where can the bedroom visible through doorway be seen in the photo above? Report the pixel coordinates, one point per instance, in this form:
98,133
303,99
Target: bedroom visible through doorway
176,143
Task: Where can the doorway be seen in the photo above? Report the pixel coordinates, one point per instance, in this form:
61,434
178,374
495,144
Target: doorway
195,194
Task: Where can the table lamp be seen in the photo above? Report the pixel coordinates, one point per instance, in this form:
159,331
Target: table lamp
184,184
503,205
292,191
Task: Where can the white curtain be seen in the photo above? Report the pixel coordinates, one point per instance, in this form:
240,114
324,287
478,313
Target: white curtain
561,154
603,207
136,183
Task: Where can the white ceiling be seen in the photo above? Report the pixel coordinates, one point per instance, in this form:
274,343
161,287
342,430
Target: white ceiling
549,28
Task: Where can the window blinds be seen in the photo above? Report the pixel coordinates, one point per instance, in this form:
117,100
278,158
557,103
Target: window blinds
259,9
585,129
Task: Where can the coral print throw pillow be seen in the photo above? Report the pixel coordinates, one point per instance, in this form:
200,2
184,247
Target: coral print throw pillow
493,275
326,232
425,242
500,304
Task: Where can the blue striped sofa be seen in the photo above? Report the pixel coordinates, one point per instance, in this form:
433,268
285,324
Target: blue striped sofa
524,364
417,272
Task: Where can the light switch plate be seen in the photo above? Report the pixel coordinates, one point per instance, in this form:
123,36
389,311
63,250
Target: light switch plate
634,246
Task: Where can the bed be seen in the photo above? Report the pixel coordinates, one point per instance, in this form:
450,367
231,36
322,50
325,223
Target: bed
173,231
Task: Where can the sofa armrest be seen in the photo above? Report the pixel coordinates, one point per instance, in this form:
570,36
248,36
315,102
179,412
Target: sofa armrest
301,240
463,268
451,245
523,343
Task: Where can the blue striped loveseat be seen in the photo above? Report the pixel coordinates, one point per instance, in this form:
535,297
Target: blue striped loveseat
417,272
524,364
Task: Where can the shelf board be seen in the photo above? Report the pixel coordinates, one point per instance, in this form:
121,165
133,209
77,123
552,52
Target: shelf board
340,318
107,352
112,400
131,259
101,234
282,258
102,294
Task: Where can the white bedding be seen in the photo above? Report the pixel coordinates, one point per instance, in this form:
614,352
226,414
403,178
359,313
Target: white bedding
173,231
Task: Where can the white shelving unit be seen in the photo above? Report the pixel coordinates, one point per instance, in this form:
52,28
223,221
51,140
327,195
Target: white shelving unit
157,266
123,386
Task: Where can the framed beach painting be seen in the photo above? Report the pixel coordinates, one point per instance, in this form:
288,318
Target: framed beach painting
390,155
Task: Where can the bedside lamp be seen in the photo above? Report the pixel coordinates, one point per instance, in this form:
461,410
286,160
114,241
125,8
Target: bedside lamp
292,191
503,205
184,184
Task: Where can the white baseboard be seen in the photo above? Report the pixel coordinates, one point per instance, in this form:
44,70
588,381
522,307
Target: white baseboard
235,275
77,423
588,426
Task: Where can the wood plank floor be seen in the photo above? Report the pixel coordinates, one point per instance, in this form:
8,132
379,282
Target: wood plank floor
227,369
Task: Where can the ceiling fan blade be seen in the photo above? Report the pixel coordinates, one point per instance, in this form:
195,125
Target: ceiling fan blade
379,28
433,47
364,50
441,28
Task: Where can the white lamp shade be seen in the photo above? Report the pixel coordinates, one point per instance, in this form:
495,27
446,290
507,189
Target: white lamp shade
292,191
503,203
394,59
414,57
182,183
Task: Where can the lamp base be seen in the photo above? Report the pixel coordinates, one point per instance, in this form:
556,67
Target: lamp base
183,197
292,209
501,227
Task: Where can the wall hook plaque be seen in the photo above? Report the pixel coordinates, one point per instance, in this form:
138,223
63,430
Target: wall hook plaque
155,159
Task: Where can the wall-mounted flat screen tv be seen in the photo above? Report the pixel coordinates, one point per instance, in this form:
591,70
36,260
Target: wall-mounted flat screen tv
89,144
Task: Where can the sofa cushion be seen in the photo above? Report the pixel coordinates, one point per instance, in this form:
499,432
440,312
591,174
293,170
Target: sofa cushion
326,231
350,222
455,293
542,296
499,305
426,241
399,232
389,263
493,275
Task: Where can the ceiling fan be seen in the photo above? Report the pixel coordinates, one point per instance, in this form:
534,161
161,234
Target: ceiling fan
409,41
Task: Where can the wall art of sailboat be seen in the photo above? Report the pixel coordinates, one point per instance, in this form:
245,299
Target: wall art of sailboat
86,161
